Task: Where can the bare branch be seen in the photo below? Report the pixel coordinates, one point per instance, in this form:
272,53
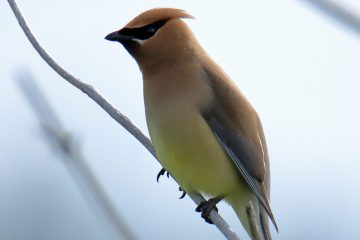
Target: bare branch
64,144
254,227
86,88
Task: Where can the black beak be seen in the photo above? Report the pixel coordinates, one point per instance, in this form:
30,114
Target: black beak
118,37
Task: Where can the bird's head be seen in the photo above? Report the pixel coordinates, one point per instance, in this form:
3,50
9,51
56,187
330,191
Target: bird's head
155,36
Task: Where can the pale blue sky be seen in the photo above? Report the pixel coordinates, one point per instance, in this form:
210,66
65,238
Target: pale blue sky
299,68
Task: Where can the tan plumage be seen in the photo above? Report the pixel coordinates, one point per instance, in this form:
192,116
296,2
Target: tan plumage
204,130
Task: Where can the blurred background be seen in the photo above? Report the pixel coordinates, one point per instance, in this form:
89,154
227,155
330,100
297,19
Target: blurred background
297,63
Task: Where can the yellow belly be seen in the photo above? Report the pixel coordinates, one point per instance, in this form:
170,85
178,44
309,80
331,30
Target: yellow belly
187,148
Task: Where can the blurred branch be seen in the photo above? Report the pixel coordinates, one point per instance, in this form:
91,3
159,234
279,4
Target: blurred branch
338,11
63,142
112,111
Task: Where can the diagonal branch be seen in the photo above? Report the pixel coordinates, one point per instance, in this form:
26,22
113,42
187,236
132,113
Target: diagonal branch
112,111
86,88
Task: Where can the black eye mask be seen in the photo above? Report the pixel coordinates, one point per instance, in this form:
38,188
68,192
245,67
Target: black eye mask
143,33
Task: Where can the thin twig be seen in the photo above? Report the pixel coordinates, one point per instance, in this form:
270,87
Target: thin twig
254,227
112,111
338,11
72,157
86,88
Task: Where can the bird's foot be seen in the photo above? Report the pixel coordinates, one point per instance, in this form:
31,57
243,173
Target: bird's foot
162,172
206,207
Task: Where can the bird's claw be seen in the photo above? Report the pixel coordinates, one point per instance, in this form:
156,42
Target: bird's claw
162,172
183,194
206,207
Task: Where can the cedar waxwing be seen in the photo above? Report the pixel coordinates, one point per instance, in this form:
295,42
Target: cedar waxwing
204,130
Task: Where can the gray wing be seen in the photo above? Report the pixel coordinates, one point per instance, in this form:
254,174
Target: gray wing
238,129
241,151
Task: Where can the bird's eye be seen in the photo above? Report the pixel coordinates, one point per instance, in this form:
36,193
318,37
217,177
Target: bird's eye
150,30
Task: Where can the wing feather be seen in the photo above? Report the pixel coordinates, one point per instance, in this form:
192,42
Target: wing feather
238,129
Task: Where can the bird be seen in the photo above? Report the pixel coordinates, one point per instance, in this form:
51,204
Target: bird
205,132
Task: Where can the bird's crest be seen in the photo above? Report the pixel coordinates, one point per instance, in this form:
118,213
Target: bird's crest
157,14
